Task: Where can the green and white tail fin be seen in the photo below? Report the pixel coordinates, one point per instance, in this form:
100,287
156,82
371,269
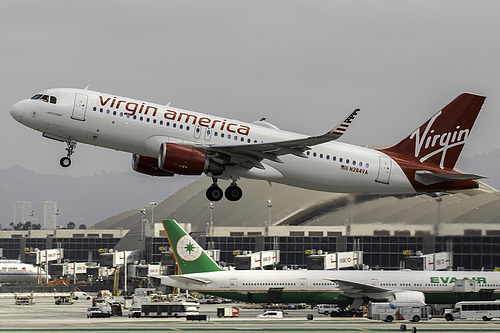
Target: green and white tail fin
190,257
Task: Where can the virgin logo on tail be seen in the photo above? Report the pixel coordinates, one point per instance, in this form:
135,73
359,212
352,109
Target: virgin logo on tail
442,142
444,133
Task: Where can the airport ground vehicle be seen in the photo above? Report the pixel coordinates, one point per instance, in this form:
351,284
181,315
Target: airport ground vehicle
398,310
228,312
485,310
134,312
271,315
169,309
95,312
327,309
295,306
80,295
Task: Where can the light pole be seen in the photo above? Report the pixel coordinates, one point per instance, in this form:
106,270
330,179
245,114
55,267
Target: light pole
143,211
153,204
269,206
56,213
211,207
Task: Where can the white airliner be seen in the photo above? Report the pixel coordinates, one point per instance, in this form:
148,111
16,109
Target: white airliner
165,141
200,273
13,271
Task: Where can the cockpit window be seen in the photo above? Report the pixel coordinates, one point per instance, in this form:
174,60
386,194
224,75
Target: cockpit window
45,98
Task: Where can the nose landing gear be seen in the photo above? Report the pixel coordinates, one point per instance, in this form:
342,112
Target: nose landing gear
66,161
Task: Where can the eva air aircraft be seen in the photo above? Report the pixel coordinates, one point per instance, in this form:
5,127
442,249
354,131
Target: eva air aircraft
201,274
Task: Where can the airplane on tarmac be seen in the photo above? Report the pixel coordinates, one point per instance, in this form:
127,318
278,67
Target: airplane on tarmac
165,141
201,274
12,271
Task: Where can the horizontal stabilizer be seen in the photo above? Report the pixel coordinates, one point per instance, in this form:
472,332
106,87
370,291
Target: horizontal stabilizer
428,178
190,279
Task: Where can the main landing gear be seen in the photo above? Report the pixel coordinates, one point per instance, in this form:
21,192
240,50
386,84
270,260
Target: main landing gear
66,161
232,193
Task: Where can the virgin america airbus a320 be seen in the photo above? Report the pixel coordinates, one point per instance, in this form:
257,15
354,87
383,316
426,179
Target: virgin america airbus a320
165,141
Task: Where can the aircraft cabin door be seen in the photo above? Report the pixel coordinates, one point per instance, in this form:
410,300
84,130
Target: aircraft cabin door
80,107
233,283
303,284
384,170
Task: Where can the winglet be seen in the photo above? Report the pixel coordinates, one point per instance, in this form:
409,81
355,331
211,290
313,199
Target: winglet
340,129
189,255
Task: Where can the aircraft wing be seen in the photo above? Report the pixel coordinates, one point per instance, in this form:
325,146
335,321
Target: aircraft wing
356,290
250,155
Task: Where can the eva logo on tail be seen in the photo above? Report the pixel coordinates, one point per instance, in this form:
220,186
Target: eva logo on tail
188,249
189,255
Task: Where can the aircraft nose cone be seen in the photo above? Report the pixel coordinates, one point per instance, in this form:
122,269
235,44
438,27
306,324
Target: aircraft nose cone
17,111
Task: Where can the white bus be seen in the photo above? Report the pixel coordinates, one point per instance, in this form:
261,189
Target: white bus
485,310
399,310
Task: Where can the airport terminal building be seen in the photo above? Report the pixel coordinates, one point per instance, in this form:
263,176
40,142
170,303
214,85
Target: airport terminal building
296,222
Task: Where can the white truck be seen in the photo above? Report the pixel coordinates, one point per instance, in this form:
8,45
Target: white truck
399,310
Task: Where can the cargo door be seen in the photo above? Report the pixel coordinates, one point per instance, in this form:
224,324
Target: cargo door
80,107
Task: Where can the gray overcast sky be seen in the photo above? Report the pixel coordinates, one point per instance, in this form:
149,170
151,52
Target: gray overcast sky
301,64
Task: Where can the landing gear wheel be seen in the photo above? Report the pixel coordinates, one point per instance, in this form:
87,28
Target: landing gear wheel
65,162
214,193
233,193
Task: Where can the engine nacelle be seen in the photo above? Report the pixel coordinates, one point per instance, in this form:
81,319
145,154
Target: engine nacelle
186,160
409,295
148,166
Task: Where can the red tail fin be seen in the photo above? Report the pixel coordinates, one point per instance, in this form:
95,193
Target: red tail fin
440,140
